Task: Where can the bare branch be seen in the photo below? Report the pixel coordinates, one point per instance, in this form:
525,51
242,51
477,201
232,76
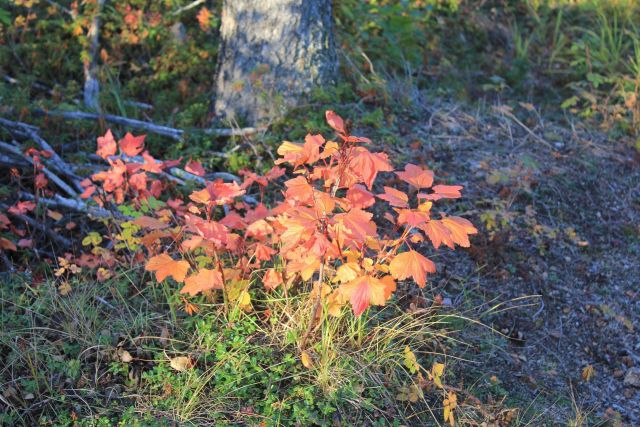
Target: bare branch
8,148
167,131
63,241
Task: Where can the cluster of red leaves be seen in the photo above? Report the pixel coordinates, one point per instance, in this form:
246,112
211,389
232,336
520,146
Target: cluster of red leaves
125,174
322,229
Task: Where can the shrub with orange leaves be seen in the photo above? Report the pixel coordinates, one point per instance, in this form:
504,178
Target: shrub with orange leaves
325,229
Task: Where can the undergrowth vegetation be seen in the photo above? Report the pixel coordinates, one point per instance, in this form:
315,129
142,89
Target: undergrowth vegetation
269,331
233,278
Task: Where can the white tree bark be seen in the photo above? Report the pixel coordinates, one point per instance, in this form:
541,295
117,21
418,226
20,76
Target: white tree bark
272,53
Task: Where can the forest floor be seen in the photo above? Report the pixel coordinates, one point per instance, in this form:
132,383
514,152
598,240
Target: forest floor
550,287
555,270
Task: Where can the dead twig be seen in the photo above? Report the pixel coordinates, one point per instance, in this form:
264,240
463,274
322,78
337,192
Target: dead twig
10,149
63,241
58,201
167,131
55,160
509,114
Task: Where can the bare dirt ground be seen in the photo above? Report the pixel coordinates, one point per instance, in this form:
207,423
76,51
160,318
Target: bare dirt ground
558,212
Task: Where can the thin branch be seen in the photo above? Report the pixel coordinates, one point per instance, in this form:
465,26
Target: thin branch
167,131
191,5
53,177
63,241
178,175
57,162
74,205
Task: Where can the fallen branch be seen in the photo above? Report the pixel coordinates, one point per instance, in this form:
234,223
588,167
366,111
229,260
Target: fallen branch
57,162
178,175
167,131
187,7
63,241
10,149
75,205
11,162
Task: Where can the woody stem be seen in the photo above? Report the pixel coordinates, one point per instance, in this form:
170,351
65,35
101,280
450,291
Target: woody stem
317,305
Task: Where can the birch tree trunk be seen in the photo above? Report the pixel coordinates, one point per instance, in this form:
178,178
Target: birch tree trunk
272,53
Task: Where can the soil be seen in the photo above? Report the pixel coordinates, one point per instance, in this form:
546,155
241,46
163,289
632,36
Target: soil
555,267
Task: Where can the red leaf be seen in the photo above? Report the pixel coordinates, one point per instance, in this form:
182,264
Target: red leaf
22,208
224,192
106,145
263,252
443,192
417,176
411,264
4,221
7,245
150,164
139,181
150,223
165,266
41,181
359,197
132,145
272,279
335,121
395,197
195,168
412,217
203,280
355,225
365,291
367,164
88,191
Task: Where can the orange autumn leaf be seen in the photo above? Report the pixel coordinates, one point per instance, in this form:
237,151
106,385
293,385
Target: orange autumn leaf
7,245
443,192
412,264
335,121
460,229
263,252
164,266
395,197
150,223
272,279
195,168
367,164
356,225
416,176
298,189
204,18
204,280
202,196
106,145
132,145
360,197
363,292
298,154
438,233
224,192
413,218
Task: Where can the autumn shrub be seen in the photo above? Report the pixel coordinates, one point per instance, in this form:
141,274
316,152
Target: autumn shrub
295,250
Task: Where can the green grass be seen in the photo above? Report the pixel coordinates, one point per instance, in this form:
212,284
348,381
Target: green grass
102,355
